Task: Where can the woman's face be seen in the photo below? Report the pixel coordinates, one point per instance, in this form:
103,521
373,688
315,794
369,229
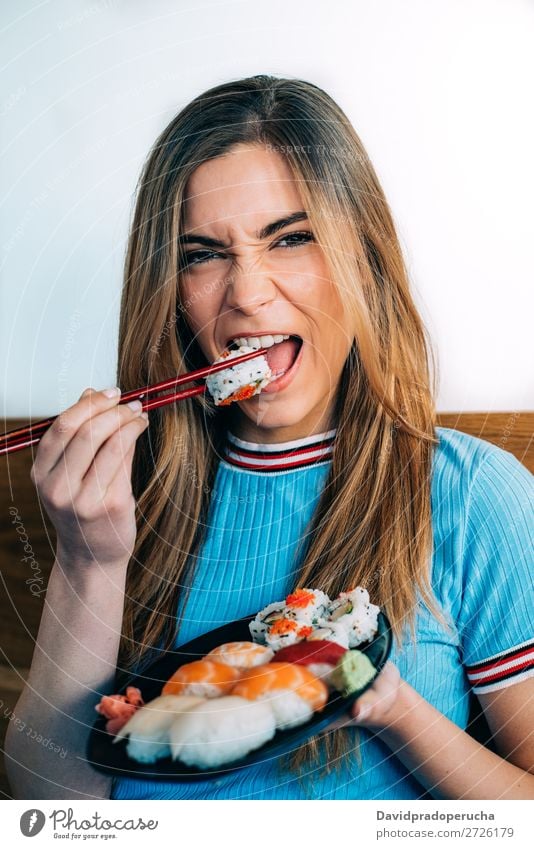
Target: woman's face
239,282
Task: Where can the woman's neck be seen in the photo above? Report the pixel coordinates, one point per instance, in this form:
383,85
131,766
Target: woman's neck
244,429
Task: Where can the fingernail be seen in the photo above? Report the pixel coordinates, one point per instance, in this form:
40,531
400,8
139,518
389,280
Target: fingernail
135,405
112,392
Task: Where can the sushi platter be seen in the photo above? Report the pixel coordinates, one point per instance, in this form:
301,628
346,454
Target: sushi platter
112,751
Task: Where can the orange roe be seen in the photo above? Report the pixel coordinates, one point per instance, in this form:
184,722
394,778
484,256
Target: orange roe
305,631
282,626
241,395
300,598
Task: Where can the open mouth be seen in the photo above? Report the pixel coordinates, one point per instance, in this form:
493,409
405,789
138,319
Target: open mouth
280,354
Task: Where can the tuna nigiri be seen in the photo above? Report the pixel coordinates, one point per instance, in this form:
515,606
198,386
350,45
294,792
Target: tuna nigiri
319,656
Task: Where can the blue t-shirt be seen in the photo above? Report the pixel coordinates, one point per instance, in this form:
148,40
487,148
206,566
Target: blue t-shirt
482,510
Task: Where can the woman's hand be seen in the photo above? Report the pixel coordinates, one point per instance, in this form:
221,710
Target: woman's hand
82,472
378,707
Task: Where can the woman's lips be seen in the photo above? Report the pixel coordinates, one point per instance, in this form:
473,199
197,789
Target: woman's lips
285,379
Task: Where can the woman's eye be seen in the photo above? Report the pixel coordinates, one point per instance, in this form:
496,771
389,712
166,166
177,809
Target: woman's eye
204,256
295,239
198,258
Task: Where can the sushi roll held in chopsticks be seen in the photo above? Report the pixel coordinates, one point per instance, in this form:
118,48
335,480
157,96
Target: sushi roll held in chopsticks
220,731
236,383
148,729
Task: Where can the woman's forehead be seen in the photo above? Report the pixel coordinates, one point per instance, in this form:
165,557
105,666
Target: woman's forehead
245,188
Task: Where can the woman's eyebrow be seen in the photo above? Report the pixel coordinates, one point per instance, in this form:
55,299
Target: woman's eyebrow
265,232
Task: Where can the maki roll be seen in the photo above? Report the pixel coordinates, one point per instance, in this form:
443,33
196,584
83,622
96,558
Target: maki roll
353,612
220,731
148,728
331,631
236,383
306,606
286,632
264,620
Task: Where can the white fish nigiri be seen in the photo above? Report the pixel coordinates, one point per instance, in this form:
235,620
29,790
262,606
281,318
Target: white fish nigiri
220,731
148,729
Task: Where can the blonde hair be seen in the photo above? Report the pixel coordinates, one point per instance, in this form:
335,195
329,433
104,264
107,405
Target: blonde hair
372,524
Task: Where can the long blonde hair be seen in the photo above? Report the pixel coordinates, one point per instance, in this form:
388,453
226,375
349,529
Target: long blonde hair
372,524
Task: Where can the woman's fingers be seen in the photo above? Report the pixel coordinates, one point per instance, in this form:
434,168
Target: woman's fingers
373,706
78,456
111,469
63,430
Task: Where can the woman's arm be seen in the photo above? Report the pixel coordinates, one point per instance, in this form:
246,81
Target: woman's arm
73,663
83,475
446,760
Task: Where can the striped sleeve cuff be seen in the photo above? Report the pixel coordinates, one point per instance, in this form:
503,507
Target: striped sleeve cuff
503,669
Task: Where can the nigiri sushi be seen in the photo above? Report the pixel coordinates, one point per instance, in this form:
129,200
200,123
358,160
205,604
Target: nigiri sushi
220,731
319,656
292,692
203,678
148,729
242,654
236,383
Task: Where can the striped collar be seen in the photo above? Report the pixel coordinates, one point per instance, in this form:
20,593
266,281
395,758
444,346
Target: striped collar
279,456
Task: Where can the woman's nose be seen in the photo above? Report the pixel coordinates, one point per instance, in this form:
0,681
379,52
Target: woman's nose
249,288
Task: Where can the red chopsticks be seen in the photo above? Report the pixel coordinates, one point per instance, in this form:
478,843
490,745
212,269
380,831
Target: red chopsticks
15,440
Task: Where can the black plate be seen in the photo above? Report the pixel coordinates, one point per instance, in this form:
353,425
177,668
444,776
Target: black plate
112,758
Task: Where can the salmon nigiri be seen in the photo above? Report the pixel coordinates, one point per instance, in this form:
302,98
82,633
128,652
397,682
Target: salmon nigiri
243,653
204,678
291,690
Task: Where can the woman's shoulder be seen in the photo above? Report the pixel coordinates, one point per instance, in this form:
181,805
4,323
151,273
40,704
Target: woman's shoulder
464,465
483,507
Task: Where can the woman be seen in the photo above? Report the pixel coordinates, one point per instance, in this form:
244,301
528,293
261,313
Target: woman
259,215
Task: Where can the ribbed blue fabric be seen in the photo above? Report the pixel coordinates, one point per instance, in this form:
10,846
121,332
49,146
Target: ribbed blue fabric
482,512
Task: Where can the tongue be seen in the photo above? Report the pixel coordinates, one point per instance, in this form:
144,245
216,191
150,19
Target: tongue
282,355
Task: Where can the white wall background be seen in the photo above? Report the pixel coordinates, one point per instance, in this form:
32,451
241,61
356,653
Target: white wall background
440,93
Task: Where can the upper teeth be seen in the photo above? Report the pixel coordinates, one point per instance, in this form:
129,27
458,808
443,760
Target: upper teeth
260,341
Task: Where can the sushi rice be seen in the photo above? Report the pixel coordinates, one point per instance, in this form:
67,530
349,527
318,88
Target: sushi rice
148,728
242,381
220,731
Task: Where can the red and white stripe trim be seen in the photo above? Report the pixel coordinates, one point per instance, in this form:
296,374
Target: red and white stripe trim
502,669
279,456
